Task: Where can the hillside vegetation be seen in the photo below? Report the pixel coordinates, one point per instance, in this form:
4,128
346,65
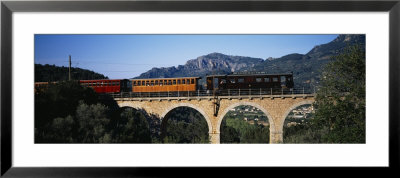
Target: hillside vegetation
51,73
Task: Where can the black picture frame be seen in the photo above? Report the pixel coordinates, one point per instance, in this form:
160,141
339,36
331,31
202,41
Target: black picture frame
8,7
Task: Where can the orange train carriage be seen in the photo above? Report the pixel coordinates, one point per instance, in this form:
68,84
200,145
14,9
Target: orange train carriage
165,84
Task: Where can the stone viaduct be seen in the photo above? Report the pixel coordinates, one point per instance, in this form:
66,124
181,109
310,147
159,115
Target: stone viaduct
275,107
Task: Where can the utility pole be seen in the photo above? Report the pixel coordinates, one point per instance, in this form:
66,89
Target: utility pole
69,73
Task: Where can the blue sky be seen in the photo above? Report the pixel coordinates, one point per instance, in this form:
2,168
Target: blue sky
127,56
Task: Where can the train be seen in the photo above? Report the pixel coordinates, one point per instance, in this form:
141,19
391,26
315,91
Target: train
214,83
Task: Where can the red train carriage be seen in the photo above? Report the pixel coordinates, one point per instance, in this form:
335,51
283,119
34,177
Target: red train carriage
108,86
250,81
165,84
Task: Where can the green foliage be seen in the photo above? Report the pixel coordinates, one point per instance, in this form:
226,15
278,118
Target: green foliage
51,73
304,133
69,113
92,121
234,130
186,125
59,101
132,127
340,102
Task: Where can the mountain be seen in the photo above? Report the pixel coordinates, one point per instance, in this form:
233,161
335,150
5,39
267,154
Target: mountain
214,63
306,68
49,73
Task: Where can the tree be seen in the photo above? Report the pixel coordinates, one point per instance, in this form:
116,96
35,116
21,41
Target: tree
185,125
340,102
92,121
132,127
59,101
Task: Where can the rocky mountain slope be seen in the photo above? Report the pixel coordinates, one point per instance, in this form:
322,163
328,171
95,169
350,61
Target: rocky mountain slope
305,67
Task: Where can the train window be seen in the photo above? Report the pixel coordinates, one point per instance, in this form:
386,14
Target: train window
188,81
143,83
147,83
156,83
275,79
223,81
169,82
174,82
98,84
134,83
152,83
258,79
232,80
183,81
179,82
192,81
266,79
283,78
240,80
165,82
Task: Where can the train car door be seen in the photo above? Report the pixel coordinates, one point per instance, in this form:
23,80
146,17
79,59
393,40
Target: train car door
210,83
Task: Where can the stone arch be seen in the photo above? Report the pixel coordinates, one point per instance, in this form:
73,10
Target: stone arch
128,104
198,109
294,106
222,115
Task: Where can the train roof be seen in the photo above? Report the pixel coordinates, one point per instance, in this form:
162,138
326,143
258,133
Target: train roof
165,78
249,74
103,80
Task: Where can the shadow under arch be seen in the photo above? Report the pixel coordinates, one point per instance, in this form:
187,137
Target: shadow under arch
243,103
294,106
164,117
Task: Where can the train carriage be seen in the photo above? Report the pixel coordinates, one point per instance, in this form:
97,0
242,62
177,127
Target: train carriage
108,86
250,81
165,84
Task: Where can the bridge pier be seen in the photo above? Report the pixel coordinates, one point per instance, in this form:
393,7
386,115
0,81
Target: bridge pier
276,137
214,138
